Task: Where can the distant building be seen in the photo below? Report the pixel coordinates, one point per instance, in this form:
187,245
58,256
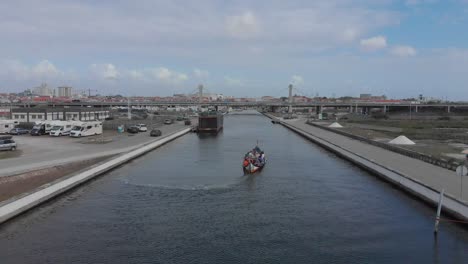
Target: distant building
27,92
370,97
57,113
4,113
213,97
64,91
43,90
268,98
301,99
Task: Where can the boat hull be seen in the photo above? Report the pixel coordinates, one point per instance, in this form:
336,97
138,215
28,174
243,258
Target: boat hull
250,169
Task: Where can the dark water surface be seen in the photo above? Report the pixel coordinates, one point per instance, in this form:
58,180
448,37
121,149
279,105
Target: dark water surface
188,202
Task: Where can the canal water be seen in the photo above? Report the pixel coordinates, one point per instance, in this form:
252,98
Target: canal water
188,202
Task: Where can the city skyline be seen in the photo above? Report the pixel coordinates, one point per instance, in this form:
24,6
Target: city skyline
397,48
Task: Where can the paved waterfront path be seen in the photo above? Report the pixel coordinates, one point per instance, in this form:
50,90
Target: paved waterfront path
433,176
43,152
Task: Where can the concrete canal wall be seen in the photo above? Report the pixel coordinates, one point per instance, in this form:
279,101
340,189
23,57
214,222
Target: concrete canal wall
10,209
406,182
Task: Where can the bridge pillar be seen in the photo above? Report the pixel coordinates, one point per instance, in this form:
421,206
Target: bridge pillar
448,109
200,97
351,108
385,109
415,108
290,99
318,109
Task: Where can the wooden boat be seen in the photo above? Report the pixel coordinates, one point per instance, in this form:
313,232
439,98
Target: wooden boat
254,161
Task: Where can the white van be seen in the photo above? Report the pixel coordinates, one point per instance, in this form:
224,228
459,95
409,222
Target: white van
7,125
85,129
49,124
62,128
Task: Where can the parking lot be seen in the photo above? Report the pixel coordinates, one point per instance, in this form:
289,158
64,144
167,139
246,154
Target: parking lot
35,152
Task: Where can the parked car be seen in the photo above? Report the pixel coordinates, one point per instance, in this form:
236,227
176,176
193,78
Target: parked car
6,143
18,131
142,127
38,130
188,122
168,121
133,130
155,133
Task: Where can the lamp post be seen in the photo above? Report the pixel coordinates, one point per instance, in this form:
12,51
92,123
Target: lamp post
462,171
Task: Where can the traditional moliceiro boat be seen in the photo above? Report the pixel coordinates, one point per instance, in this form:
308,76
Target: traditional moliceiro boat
254,161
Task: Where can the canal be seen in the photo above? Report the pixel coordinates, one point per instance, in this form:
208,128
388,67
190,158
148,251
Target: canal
188,202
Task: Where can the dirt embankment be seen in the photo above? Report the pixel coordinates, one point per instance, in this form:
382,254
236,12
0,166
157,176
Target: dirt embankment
11,186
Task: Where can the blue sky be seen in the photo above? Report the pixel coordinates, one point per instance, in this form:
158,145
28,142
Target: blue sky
334,47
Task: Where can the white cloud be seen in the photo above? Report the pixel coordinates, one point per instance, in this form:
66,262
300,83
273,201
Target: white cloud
43,71
245,25
45,68
233,81
201,74
349,34
134,31
297,80
165,75
403,51
105,71
374,43
136,75
151,74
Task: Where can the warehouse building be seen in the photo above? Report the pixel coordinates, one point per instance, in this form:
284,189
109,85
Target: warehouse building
54,113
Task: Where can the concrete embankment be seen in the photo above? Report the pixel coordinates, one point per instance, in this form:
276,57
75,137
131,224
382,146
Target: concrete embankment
425,186
19,184
12,208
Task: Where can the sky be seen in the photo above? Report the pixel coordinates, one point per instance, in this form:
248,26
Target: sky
400,48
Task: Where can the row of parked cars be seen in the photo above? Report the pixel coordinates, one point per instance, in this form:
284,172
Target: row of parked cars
58,128
143,128
137,128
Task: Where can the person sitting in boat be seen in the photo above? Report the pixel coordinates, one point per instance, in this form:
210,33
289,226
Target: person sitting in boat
257,149
261,159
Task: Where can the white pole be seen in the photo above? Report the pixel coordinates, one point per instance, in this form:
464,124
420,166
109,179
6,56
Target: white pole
439,208
290,99
461,183
129,113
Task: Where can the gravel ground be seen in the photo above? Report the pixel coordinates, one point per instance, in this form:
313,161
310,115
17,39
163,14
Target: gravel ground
12,186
